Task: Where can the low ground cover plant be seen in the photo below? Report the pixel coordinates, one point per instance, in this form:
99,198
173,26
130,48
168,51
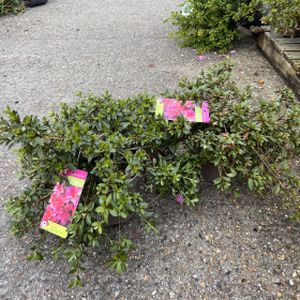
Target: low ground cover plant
119,141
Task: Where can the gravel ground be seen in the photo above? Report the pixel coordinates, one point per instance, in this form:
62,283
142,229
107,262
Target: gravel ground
222,249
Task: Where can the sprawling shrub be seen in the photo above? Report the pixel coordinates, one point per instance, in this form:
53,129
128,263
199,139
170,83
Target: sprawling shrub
11,6
118,141
210,24
283,15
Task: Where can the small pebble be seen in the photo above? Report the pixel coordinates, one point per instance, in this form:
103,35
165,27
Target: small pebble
277,280
295,274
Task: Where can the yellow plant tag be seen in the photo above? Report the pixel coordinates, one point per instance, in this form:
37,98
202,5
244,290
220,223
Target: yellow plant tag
56,229
198,114
159,110
76,181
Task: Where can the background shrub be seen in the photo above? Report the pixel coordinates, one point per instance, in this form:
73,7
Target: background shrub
283,15
210,24
11,6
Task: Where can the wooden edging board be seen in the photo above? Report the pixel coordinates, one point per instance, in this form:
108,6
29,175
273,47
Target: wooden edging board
284,54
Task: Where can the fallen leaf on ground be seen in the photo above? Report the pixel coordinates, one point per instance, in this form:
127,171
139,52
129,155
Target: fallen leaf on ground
261,82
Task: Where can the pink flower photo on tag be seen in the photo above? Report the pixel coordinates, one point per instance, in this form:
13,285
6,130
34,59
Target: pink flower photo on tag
63,203
193,111
173,109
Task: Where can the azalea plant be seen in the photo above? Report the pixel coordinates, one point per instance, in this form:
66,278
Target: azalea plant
121,141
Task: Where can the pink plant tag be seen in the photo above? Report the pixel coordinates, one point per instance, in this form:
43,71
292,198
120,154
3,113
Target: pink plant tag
171,109
63,203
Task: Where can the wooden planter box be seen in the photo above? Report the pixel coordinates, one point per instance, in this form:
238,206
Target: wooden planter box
284,54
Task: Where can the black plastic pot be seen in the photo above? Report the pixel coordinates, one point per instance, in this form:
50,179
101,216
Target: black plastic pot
114,221
256,21
291,33
209,172
32,3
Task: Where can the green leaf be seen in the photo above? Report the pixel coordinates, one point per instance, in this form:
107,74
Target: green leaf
88,219
251,184
36,255
232,173
72,283
40,152
113,212
78,282
119,267
71,166
73,271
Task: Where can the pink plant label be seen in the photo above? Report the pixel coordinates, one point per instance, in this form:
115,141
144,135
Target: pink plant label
171,109
63,203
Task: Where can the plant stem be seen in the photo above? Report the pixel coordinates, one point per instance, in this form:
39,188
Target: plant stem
269,168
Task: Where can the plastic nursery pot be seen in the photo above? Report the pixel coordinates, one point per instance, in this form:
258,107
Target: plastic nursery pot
113,221
256,20
32,3
209,172
291,33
